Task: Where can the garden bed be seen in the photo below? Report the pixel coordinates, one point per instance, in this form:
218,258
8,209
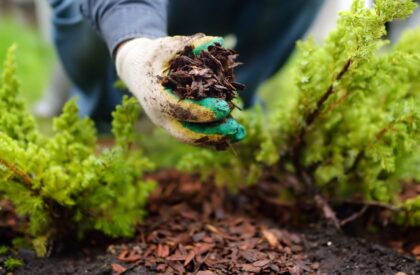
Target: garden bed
197,228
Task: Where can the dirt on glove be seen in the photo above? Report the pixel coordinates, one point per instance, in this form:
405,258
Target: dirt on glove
208,74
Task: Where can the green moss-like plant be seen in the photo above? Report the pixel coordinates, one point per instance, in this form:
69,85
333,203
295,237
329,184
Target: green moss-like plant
62,184
350,126
12,263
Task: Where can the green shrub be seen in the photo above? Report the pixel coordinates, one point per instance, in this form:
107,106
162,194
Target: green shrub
350,124
61,184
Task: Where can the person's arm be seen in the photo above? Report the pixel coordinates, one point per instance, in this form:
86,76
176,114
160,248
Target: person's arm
121,20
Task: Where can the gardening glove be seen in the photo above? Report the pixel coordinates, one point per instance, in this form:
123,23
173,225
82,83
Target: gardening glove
140,64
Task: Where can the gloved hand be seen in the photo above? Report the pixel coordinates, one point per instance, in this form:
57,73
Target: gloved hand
141,61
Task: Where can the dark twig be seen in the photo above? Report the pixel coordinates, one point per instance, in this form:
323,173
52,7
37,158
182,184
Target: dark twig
296,151
327,210
319,200
368,203
354,216
309,120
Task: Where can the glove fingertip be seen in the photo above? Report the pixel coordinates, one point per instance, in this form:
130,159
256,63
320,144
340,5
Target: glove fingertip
220,108
239,135
204,46
232,129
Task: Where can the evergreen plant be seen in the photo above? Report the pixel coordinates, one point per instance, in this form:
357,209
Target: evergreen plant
350,126
61,184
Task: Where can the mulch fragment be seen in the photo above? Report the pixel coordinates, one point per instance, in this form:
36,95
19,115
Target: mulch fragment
209,74
118,269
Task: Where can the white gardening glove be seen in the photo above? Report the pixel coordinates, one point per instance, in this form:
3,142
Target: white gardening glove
140,62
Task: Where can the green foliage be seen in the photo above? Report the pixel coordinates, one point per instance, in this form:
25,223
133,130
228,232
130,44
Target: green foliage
35,57
12,263
120,85
124,119
62,184
20,126
350,125
410,212
3,249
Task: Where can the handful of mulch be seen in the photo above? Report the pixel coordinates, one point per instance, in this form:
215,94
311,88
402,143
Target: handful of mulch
209,74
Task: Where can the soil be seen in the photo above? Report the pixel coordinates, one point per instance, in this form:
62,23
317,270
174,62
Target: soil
208,74
198,228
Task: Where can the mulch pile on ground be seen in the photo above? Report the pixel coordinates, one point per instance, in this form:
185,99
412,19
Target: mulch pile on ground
195,227
190,232
208,74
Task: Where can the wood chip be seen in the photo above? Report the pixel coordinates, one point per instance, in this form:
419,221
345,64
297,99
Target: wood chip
270,238
189,258
207,272
129,256
162,251
416,250
176,258
261,263
250,268
118,269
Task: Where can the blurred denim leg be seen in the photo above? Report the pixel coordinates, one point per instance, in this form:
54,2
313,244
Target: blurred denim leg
86,60
266,31
55,95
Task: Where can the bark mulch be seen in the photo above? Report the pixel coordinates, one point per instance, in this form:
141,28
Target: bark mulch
190,231
198,228
208,74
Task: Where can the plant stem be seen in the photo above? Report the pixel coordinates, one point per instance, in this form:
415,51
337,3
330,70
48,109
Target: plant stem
309,120
297,148
22,175
368,203
355,216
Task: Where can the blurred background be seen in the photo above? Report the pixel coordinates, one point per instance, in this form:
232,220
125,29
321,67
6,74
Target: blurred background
26,24
44,84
